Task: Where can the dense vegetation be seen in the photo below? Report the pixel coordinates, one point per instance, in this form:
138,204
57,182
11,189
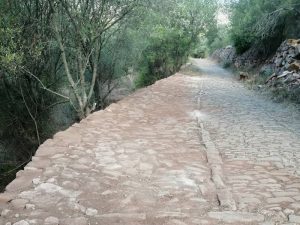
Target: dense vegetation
258,24
264,23
59,60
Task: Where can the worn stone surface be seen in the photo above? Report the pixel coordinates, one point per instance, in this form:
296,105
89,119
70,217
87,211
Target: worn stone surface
259,142
294,219
236,217
187,150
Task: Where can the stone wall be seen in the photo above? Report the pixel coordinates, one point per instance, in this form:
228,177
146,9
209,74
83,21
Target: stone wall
225,55
229,55
286,65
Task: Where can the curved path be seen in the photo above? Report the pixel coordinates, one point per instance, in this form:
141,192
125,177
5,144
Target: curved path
187,150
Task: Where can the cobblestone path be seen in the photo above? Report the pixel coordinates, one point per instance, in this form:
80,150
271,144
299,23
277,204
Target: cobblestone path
189,150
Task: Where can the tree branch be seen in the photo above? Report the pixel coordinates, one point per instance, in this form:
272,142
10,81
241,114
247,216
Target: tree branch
32,117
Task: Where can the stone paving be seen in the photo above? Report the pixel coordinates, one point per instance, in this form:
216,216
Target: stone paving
187,150
259,143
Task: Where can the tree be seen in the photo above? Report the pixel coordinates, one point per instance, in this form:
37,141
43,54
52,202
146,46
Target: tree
61,59
175,32
81,29
263,24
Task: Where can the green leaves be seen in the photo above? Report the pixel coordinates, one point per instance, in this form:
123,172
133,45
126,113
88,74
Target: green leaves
262,23
10,56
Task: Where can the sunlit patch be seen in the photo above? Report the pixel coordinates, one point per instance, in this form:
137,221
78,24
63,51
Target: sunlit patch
198,115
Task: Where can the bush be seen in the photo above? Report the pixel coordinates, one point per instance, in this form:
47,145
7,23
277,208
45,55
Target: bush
166,53
241,43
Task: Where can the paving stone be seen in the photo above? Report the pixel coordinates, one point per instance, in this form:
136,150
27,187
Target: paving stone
30,206
91,212
22,222
294,219
51,221
19,203
6,197
235,217
279,200
178,152
5,212
295,206
75,221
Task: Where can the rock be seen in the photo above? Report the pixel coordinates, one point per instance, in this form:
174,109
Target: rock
273,76
293,42
294,219
267,223
236,217
51,221
286,63
91,212
22,222
295,66
288,211
284,74
278,62
5,197
5,212
279,200
19,203
227,54
76,221
36,181
48,188
295,206
30,206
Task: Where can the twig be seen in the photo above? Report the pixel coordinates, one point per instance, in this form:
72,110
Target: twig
16,168
32,117
43,86
55,104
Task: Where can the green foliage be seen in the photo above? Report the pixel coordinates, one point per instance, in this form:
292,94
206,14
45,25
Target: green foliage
165,54
173,37
263,23
241,42
60,59
200,49
217,38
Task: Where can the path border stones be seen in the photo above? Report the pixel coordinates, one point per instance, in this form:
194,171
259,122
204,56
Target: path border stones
215,162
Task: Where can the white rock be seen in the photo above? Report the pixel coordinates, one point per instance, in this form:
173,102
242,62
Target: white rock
51,221
5,212
294,219
288,211
48,188
22,222
51,180
36,181
236,217
30,206
91,212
